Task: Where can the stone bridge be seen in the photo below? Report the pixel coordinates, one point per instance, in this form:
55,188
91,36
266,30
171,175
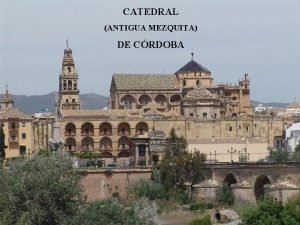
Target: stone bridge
250,181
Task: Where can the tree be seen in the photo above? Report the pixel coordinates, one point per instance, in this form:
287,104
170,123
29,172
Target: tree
111,212
40,191
224,195
178,166
2,144
279,155
297,153
270,211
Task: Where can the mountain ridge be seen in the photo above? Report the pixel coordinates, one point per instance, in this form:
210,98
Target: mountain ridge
31,104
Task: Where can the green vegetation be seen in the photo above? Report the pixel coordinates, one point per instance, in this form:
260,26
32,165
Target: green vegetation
149,189
179,167
40,191
279,155
45,152
45,190
111,212
203,221
270,211
224,195
201,206
2,144
297,153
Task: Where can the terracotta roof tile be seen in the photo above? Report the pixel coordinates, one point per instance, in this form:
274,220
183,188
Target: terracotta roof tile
145,81
13,113
192,66
199,92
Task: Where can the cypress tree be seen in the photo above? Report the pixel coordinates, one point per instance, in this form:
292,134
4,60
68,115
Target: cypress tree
2,143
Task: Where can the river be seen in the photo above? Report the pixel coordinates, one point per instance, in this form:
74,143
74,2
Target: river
180,218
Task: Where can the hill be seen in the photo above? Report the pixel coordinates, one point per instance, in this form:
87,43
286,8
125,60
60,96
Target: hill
39,103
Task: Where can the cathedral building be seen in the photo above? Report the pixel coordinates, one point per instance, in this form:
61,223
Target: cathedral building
143,108
190,92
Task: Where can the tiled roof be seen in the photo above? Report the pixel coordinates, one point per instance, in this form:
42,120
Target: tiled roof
199,92
13,113
145,81
192,66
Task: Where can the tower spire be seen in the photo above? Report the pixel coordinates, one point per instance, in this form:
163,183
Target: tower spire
6,89
68,97
192,54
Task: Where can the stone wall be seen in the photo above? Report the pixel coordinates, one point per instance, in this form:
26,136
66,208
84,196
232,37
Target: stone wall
100,184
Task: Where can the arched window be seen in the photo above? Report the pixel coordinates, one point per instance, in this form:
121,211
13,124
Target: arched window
123,129
128,102
87,129
70,144
144,99
175,99
87,144
69,84
161,99
70,130
105,144
141,128
105,129
124,143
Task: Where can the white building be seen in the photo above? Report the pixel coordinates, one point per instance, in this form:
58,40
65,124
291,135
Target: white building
260,108
292,135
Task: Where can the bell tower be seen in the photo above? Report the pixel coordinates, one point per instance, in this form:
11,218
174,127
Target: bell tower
68,83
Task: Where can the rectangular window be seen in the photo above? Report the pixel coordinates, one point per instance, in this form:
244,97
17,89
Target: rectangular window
23,124
13,125
23,136
230,128
22,150
205,115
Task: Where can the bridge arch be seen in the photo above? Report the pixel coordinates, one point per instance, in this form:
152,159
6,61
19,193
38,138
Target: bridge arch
259,184
229,179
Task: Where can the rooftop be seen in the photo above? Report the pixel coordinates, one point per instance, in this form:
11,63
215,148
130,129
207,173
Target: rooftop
144,81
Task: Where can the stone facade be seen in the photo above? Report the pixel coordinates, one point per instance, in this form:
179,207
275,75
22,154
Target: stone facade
213,118
68,83
190,92
17,127
248,181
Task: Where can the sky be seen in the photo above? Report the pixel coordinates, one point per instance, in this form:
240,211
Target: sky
234,37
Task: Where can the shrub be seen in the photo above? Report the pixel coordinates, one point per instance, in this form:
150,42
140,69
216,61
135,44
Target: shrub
203,221
224,195
178,195
201,206
149,189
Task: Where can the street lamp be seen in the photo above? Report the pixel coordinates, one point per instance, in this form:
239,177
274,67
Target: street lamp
231,151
